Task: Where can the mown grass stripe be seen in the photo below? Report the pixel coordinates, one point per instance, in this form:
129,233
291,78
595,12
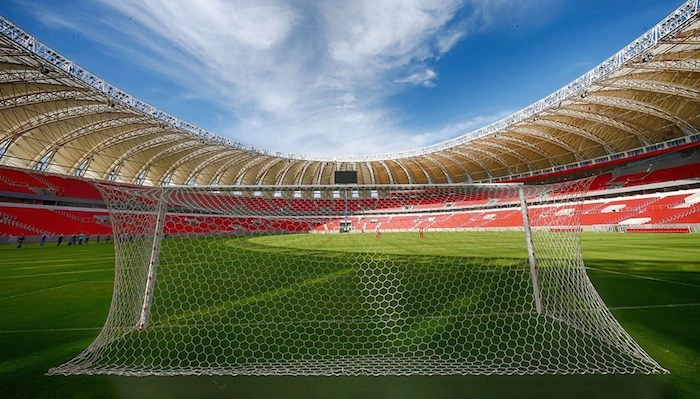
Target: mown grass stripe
55,274
40,357
81,260
63,266
40,330
54,288
263,296
643,277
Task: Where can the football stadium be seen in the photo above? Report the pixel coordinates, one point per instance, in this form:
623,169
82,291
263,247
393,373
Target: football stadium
552,253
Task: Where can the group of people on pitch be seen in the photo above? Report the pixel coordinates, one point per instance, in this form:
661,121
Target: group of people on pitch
75,239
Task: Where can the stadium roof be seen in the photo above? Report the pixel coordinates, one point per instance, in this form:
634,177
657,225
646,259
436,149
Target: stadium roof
58,117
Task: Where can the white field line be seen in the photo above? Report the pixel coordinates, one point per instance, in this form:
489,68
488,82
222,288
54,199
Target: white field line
47,267
644,277
672,305
55,274
42,330
61,260
53,288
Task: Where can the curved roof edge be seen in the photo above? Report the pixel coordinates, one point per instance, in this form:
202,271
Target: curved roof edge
646,41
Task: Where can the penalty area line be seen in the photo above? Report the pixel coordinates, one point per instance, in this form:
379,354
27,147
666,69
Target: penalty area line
53,288
41,330
55,274
671,305
643,277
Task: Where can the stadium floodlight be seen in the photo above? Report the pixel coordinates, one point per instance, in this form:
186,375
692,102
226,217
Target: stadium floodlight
428,280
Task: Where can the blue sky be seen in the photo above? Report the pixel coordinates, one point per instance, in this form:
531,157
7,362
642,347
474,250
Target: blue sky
338,77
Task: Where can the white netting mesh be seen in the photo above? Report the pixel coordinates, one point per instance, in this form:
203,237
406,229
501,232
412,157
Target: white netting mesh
354,280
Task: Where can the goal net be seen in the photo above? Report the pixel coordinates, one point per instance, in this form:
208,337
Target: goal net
353,280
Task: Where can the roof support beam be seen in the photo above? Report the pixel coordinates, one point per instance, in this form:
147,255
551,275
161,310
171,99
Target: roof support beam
189,157
242,155
403,168
388,172
283,174
370,169
168,151
576,131
505,149
321,169
465,172
209,161
429,158
689,65
457,150
420,167
637,106
47,96
491,155
265,169
59,115
531,147
244,169
30,76
91,128
145,146
534,132
299,176
122,138
641,132
671,88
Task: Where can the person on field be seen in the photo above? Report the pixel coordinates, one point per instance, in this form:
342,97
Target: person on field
420,233
43,240
378,234
81,238
20,241
60,240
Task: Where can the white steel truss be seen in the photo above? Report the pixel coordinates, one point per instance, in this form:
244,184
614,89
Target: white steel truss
658,87
639,130
77,120
644,108
646,41
576,131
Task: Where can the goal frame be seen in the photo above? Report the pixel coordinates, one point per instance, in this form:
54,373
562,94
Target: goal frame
160,203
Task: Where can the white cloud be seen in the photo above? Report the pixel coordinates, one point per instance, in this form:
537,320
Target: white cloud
297,76
384,34
424,78
448,39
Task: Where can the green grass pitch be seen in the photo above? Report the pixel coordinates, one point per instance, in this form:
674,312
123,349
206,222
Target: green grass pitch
54,300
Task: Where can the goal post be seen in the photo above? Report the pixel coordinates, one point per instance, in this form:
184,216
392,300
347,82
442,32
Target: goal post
532,260
158,232
474,279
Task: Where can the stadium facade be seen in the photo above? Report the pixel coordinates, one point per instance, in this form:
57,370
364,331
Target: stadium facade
57,117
